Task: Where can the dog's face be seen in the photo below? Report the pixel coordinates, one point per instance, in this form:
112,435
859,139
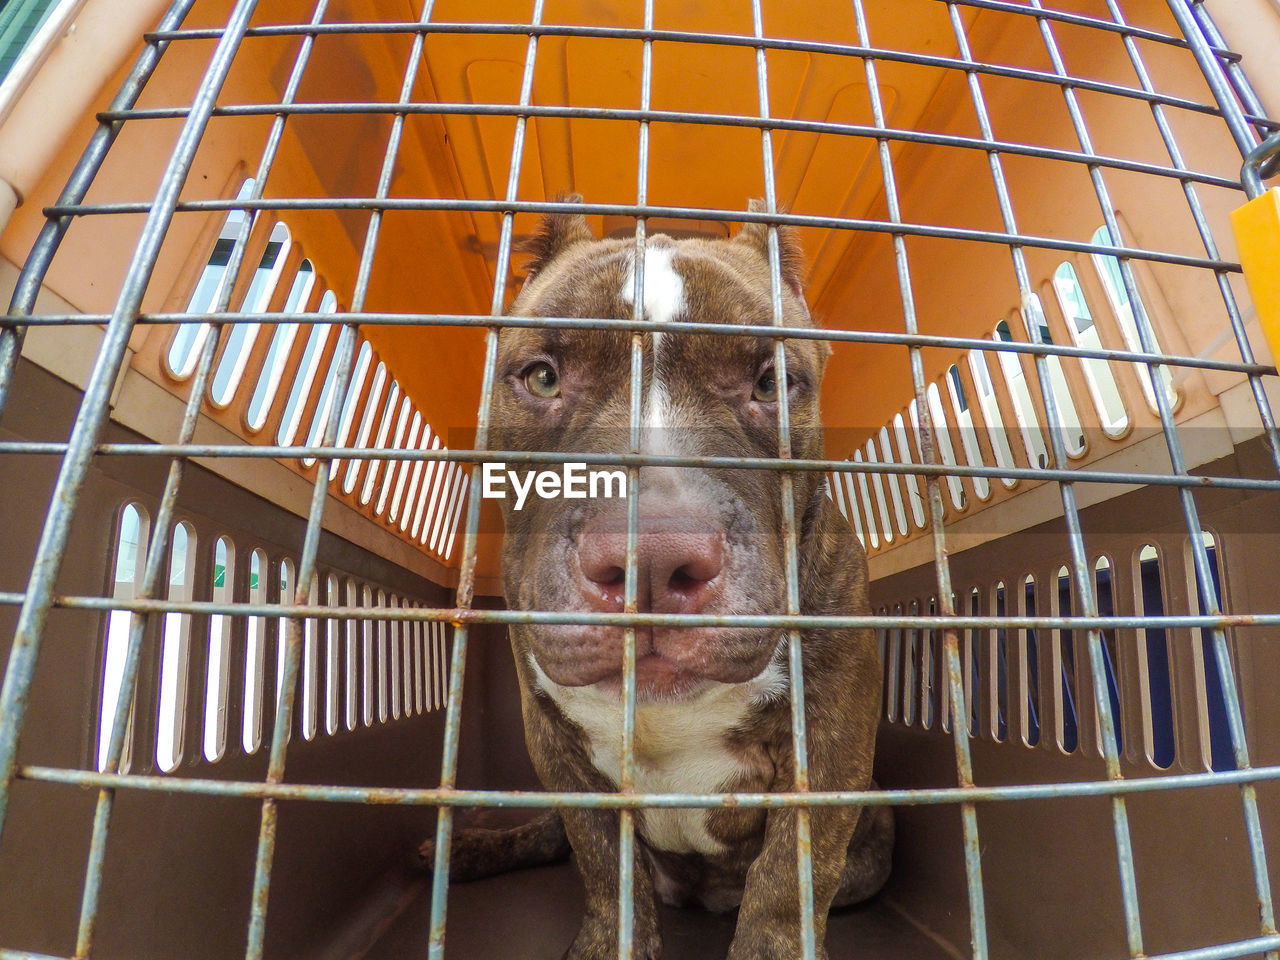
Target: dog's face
710,540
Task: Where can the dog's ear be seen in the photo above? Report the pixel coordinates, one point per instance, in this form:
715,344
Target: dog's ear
790,256
555,234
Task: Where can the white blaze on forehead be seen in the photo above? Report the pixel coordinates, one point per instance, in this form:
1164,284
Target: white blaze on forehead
663,302
663,286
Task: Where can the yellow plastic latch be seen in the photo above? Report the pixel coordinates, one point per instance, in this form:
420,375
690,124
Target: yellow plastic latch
1257,229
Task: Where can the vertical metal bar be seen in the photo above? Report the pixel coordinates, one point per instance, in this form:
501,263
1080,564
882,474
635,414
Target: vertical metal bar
626,822
1206,237
94,406
1032,316
470,543
150,587
1211,67
344,354
933,490
1235,72
152,571
42,252
1204,575
799,736
161,529
1264,408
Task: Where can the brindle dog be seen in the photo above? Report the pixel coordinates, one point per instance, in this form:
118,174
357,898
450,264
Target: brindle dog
713,708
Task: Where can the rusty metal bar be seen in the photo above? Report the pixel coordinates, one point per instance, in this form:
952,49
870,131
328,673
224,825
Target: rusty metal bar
790,533
1032,317
345,351
627,762
23,301
466,615
95,404
677,326
630,210
10,344
161,529
540,800
466,582
933,493
1232,114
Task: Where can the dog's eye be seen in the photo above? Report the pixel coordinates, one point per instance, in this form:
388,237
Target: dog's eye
543,381
766,389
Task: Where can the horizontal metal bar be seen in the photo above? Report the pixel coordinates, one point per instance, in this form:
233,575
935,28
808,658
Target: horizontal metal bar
250,451
1223,951
462,615
674,116
719,39
626,325
1262,122
624,33
621,33
527,799
1079,19
929,231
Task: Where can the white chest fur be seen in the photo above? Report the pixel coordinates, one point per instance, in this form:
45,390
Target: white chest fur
680,747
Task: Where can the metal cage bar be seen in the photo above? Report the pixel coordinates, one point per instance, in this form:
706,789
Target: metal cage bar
630,572
649,115
1030,312
158,549
306,572
933,491
1204,576
790,538
782,621
42,251
726,39
1251,367
94,407
1202,227
781,219
466,585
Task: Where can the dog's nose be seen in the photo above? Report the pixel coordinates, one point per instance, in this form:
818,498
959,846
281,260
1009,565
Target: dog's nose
677,562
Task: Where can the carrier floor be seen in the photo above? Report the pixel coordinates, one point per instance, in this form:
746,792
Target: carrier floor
533,915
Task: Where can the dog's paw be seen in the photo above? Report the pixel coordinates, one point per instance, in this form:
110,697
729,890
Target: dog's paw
598,940
773,945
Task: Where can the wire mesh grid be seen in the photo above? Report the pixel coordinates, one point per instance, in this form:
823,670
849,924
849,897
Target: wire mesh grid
1234,107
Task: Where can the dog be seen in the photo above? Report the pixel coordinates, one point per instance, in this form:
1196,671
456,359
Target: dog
713,709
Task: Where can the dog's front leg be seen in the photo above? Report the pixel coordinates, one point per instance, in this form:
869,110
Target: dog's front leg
769,922
559,754
841,718
593,834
